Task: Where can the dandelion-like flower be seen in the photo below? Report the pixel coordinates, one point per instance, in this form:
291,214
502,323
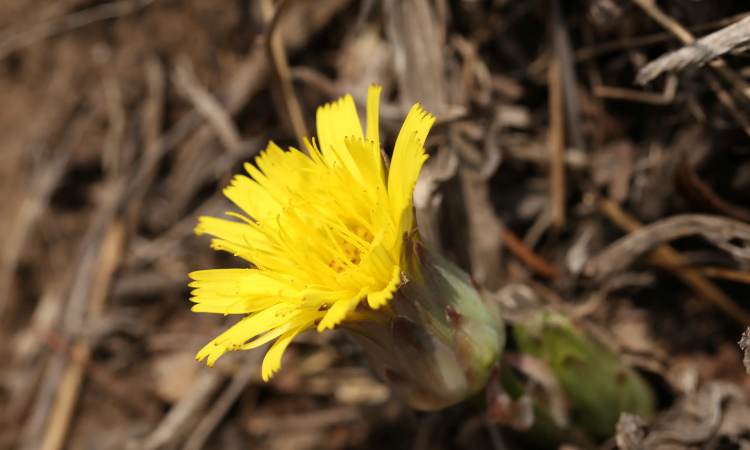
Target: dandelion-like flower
332,238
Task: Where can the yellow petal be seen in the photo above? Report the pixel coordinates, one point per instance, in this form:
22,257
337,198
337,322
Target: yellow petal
373,126
237,233
371,169
272,361
335,122
408,157
380,298
303,320
339,310
253,198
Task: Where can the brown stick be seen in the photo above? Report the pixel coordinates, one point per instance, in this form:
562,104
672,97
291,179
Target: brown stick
152,115
527,255
686,37
76,305
277,54
719,64
727,274
34,34
68,391
215,114
653,98
564,54
667,257
484,229
698,53
745,347
726,99
32,207
556,147
25,220
198,438
592,51
697,192
718,230
116,121
184,414
123,393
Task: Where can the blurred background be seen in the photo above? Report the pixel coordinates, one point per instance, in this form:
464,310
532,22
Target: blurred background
121,122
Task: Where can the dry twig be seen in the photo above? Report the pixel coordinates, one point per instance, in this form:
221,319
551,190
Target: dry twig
417,41
44,183
594,50
485,229
168,242
686,37
108,260
718,64
726,99
152,115
527,255
665,97
727,274
240,381
250,77
556,147
70,22
189,171
564,54
700,194
699,52
183,414
115,126
665,256
718,230
206,105
29,213
277,54
82,279
745,347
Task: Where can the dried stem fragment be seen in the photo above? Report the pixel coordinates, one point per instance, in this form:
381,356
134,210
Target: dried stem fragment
745,347
699,52
662,256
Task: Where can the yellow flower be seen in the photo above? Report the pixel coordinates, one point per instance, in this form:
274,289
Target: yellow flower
323,233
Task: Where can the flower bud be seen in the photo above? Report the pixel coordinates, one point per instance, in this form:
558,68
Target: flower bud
439,340
598,384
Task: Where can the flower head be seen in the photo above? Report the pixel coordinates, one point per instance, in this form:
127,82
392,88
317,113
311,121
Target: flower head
324,234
